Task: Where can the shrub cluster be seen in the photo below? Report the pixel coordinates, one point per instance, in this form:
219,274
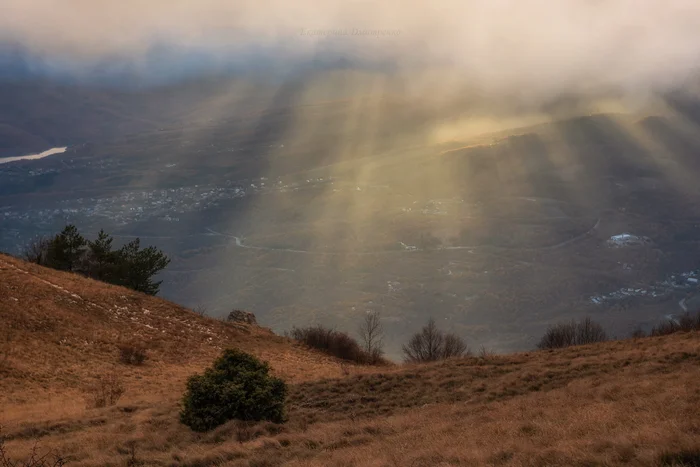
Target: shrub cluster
106,391
130,266
685,458
35,459
431,344
335,343
132,354
575,332
687,322
588,331
237,386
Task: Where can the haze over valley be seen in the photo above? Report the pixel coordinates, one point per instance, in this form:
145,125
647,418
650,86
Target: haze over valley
306,213
494,186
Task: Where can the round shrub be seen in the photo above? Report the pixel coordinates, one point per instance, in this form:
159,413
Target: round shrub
237,386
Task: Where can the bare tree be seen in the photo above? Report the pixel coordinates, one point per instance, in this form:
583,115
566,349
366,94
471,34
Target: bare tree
425,345
575,332
35,459
453,346
484,353
687,322
431,344
588,331
558,336
372,335
37,250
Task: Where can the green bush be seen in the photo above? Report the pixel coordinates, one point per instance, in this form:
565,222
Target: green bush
237,386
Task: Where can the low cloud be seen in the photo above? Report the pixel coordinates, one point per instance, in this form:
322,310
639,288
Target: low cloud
517,47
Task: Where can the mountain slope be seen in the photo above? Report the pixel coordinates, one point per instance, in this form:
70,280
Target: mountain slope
631,402
61,330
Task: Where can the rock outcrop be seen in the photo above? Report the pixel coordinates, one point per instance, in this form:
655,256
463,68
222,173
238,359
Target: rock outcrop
240,316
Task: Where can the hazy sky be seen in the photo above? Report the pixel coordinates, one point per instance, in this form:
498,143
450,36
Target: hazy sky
494,45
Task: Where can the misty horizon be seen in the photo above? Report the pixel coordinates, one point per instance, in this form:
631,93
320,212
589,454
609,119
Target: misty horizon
533,47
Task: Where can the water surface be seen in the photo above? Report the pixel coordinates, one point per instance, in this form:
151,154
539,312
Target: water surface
41,155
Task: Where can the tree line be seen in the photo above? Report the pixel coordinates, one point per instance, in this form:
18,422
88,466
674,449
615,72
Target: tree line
130,266
428,345
431,344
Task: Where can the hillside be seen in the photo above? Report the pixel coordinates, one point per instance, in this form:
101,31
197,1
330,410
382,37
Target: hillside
63,330
632,402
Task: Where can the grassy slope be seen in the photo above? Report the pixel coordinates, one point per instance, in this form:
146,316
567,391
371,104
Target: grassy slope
62,330
617,403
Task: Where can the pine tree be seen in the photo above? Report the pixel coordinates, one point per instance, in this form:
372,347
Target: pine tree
137,267
66,249
101,258
130,266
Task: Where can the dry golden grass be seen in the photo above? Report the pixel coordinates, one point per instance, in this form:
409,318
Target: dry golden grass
617,403
61,331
